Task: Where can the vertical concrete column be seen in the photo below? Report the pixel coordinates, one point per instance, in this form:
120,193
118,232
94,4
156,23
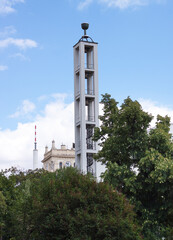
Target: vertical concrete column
87,51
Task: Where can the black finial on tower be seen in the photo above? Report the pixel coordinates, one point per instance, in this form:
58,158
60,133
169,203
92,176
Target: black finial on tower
85,26
85,37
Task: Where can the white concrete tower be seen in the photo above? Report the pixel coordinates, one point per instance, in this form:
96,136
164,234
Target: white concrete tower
35,153
86,102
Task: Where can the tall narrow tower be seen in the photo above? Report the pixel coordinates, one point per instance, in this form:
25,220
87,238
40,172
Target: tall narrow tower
86,102
35,152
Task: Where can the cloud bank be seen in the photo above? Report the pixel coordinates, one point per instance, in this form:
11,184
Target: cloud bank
154,108
55,121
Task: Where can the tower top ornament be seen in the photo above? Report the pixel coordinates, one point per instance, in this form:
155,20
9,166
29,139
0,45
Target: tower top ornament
85,37
85,26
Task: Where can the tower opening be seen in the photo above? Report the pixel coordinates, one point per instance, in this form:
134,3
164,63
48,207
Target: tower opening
89,57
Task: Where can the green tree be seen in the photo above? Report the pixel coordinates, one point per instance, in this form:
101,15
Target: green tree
123,132
139,162
2,212
69,205
155,194
14,188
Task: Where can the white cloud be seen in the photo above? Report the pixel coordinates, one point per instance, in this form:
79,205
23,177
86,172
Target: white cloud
20,56
7,6
121,4
56,122
8,30
20,43
154,108
3,68
84,4
26,108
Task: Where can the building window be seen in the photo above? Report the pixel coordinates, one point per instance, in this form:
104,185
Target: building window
60,165
68,164
52,166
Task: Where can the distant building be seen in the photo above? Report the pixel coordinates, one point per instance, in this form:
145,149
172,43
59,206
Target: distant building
58,158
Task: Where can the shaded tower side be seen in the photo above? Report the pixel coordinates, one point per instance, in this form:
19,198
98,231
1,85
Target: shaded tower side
86,103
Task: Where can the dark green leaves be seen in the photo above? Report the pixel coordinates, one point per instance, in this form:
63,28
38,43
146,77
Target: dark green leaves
139,162
67,205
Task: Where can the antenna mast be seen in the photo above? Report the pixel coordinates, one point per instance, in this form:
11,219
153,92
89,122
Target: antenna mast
35,137
35,151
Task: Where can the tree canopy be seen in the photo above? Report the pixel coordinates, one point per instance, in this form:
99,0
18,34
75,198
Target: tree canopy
139,161
64,205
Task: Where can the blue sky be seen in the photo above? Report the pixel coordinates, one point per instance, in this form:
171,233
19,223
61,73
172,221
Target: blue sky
135,55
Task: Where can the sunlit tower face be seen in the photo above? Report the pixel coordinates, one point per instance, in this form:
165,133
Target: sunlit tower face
85,101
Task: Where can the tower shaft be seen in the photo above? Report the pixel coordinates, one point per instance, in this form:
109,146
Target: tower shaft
86,104
35,159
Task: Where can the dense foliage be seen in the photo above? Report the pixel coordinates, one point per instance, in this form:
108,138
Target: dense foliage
62,205
139,163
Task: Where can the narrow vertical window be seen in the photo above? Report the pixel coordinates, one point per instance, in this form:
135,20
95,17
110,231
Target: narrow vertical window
60,165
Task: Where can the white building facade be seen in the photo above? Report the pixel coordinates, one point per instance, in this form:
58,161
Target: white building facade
58,158
86,103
